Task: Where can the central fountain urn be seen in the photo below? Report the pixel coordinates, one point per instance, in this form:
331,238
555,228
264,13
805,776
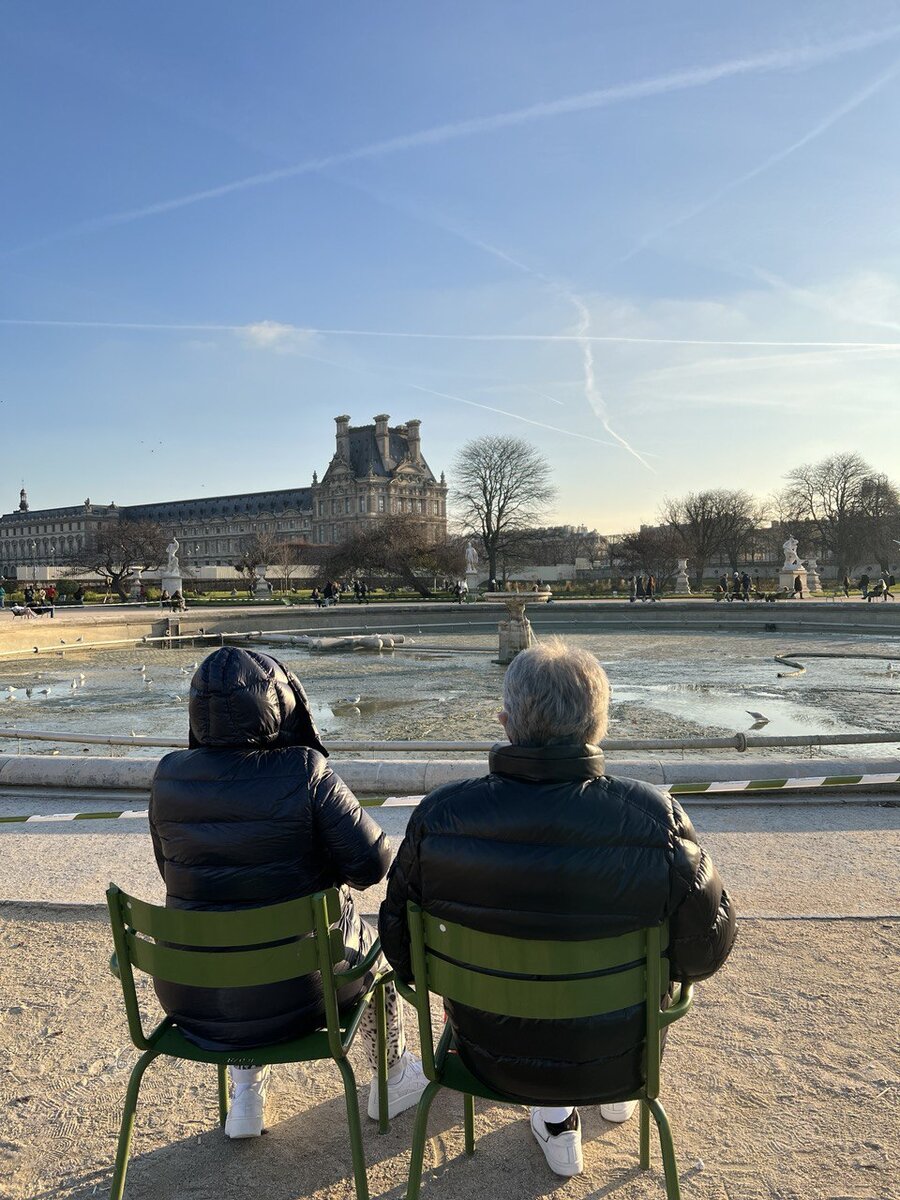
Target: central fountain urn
515,632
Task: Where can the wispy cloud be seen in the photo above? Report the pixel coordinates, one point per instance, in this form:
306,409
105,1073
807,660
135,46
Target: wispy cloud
863,300
791,58
821,127
577,338
273,335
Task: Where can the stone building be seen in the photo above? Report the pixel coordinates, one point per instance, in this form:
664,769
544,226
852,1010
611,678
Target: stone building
376,470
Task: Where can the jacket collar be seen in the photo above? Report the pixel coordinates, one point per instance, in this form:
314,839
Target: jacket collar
550,764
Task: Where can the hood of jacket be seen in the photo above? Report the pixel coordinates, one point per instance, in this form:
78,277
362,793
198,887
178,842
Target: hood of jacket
243,700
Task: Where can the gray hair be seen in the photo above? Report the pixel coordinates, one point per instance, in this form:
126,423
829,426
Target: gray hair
555,693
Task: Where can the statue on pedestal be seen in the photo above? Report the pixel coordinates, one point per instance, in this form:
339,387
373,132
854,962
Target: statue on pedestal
790,554
172,565
682,583
471,560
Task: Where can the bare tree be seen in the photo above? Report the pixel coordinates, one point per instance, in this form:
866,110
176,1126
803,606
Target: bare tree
829,494
399,547
879,519
709,523
258,549
502,487
119,549
654,549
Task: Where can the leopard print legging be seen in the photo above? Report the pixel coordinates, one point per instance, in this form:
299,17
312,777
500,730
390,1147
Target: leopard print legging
396,1039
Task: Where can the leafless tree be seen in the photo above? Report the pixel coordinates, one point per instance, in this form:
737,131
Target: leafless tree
716,521
503,486
119,549
829,494
879,504
258,549
651,549
398,547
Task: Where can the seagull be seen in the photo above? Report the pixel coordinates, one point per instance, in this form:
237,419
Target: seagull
82,676
174,697
351,700
44,692
79,639
74,684
758,718
62,641
142,668
28,692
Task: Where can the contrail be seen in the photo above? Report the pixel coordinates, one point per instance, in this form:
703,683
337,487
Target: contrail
819,303
773,160
584,437
303,330
793,58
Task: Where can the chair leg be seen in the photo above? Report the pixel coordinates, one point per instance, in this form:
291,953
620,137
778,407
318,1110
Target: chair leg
420,1133
381,1027
645,1136
469,1103
223,1092
127,1127
673,1188
355,1127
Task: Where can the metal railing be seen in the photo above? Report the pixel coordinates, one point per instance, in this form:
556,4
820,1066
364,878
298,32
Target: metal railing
738,741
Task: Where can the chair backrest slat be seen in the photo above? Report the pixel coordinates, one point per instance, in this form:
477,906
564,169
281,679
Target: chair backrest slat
542,999
223,968
523,956
241,927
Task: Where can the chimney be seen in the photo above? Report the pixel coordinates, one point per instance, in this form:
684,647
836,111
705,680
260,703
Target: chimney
412,437
383,438
342,437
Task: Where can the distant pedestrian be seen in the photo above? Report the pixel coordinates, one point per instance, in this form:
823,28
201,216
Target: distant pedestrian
78,596
2,596
651,588
632,589
641,594
846,586
316,597
745,587
864,585
798,588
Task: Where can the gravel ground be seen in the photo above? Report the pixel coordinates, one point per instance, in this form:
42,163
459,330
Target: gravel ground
782,1084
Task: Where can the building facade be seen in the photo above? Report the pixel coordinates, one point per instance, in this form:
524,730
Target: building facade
376,470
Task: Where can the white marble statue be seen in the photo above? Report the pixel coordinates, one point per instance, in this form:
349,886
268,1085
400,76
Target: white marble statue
172,565
471,559
790,554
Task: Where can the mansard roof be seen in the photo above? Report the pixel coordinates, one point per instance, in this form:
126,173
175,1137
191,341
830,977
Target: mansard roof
365,457
203,508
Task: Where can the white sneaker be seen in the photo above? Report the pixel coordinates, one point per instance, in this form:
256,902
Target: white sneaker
623,1111
561,1150
247,1114
403,1091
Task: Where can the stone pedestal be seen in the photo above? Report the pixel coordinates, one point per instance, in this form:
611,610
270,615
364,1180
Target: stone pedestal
135,588
171,582
682,583
515,633
812,575
787,575
262,589
472,586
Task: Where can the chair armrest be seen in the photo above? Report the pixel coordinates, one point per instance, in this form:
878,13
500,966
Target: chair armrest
680,1007
114,965
362,968
406,991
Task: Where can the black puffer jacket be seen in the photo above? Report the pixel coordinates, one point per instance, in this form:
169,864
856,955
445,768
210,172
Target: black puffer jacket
253,815
547,846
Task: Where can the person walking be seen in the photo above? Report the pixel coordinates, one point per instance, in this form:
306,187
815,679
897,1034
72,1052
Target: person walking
651,589
745,587
798,588
252,815
864,585
845,583
632,589
2,596
641,594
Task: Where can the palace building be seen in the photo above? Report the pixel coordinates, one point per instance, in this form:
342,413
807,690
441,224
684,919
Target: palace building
376,470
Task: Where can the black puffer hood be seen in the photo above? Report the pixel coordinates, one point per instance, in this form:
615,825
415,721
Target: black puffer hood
242,699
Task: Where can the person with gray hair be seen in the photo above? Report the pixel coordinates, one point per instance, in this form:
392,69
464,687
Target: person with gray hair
548,846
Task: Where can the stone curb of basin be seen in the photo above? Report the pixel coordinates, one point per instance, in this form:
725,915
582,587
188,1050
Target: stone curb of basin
418,776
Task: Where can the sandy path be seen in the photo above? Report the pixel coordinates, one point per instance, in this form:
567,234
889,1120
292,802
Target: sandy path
788,1070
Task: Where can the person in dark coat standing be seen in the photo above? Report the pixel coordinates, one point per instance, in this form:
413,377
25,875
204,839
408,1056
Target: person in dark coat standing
252,815
548,846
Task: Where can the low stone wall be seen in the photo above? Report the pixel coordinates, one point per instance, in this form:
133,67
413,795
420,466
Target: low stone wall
410,777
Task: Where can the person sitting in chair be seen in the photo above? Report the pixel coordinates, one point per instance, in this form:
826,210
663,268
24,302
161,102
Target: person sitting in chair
548,846
252,815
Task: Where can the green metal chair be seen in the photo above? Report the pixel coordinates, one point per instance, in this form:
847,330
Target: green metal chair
516,977
235,949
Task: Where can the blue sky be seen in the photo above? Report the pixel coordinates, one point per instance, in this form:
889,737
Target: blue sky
221,223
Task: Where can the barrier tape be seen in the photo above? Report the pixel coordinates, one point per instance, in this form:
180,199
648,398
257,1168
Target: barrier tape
801,783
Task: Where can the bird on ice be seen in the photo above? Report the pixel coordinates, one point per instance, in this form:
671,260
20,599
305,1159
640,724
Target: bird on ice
73,684
758,718
142,668
350,700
